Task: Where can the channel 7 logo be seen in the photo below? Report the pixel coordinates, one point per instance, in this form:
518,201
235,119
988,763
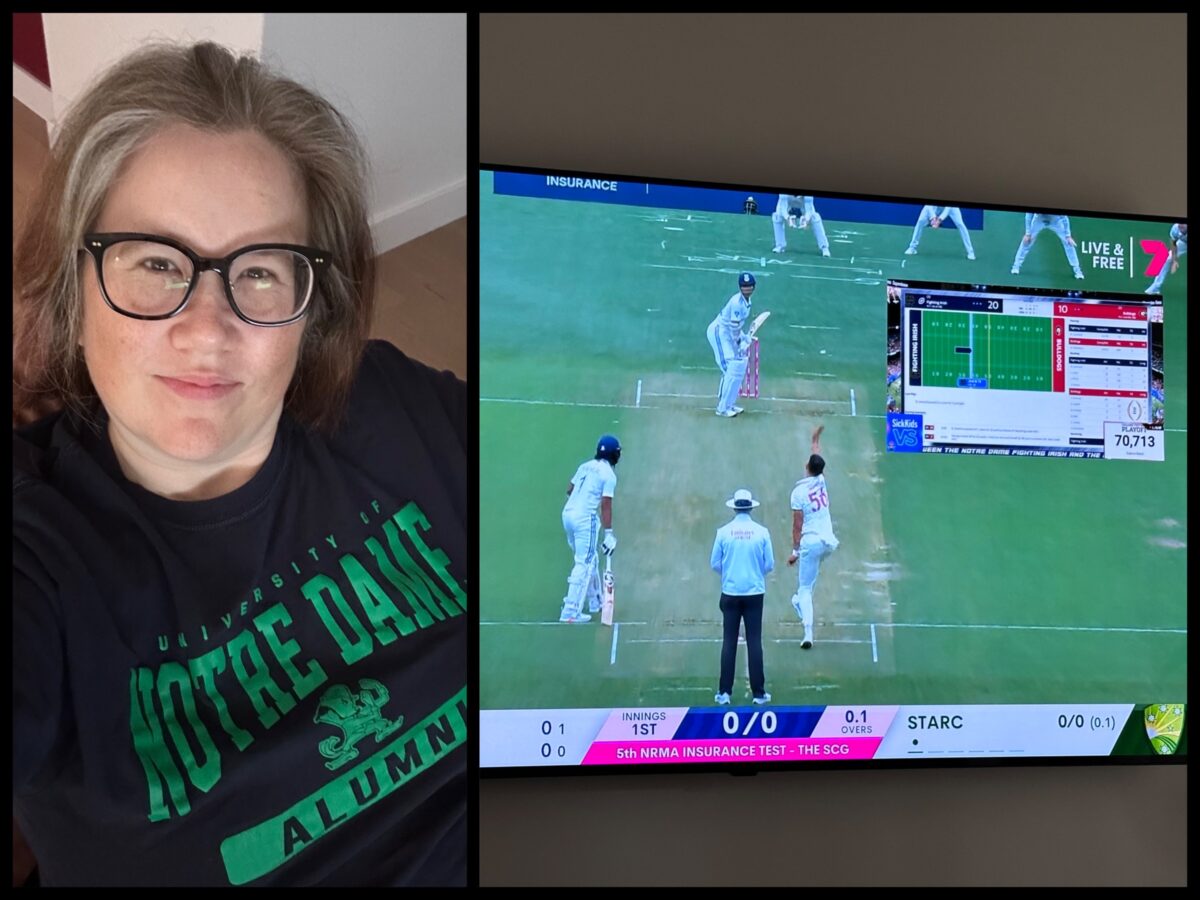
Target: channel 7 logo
1159,254
904,432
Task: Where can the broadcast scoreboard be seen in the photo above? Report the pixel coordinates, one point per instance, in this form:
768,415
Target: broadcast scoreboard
1027,372
574,737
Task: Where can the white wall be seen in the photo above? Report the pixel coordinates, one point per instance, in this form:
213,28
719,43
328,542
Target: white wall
80,45
401,78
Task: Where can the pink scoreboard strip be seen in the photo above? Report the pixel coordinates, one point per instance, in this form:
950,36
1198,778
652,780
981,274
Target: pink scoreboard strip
624,752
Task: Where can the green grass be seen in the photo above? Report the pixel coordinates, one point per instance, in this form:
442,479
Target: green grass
949,558
1010,355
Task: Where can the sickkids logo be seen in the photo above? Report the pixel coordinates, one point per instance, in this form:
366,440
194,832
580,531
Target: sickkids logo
904,432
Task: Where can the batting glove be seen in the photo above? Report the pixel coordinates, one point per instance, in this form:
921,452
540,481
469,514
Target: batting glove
610,542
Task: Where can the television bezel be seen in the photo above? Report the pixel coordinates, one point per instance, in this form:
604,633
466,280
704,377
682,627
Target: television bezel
756,767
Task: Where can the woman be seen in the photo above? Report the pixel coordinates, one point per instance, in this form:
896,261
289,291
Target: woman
239,550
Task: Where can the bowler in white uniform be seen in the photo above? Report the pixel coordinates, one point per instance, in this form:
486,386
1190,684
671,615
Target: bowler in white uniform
812,533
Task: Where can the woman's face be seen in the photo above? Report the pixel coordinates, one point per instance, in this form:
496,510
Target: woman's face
215,193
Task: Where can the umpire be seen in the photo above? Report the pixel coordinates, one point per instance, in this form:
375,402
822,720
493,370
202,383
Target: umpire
743,557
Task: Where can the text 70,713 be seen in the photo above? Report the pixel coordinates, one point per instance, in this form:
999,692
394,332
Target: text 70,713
1135,440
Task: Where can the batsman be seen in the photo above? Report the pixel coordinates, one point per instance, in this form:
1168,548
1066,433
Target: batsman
730,345
588,508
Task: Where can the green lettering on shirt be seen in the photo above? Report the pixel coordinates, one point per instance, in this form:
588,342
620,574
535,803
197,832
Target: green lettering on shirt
381,611
204,670
256,681
284,651
413,590
315,590
203,775
427,589
410,517
151,749
265,847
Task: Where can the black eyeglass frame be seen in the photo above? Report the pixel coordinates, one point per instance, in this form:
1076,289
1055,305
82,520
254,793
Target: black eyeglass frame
97,243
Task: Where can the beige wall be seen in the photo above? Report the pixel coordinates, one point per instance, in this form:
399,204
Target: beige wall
1078,111
402,79
399,77
81,46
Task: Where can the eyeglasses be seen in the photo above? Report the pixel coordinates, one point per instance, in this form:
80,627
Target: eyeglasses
145,276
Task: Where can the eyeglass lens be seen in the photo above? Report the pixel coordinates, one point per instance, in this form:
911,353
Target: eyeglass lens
151,279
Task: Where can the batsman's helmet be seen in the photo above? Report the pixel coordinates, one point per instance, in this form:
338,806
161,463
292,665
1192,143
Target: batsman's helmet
608,447
745,280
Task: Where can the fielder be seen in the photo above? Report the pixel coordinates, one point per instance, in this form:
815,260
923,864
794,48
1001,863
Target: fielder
1178,249
930,216
783,214
729,345
812,534
589,497
1060,225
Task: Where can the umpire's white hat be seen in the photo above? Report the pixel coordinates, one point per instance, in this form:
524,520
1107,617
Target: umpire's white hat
742,499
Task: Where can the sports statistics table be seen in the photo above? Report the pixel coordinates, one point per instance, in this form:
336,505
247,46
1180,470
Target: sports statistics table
584,737
999,371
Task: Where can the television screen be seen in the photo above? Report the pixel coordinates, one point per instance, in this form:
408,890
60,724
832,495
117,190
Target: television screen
727,516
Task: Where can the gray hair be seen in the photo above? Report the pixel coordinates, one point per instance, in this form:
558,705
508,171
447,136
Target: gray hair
209,88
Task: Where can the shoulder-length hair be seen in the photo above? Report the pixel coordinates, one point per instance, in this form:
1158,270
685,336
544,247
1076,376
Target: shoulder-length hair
207,87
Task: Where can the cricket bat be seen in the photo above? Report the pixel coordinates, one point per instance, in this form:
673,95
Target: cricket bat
757,324
606,609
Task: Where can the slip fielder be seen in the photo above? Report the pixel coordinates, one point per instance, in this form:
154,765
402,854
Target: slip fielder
1060,225
930,216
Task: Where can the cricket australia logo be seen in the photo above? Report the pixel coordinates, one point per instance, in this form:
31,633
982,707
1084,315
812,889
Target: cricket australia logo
1164,726
358,714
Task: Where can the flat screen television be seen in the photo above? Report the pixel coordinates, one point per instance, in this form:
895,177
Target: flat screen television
992,536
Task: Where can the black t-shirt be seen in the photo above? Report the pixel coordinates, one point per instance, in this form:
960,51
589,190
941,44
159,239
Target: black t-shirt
268,687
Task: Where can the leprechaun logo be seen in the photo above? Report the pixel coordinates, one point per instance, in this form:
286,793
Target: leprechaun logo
358,714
